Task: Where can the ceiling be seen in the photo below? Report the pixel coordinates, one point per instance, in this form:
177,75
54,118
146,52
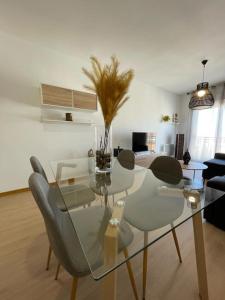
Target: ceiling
162,40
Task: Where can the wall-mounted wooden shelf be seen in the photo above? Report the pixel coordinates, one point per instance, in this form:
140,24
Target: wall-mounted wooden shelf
84,100
171,123
76,122
58,97
65,108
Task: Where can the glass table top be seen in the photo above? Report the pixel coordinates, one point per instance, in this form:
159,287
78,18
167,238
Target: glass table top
115,216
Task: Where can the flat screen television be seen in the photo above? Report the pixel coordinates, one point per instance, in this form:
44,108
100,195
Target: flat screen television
139,141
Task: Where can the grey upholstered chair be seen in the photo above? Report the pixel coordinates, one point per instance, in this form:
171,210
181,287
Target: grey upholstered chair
139,212
126,159
63,237
76,195
37,167
168,169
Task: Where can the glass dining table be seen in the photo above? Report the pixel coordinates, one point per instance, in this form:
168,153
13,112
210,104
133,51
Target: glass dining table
140,207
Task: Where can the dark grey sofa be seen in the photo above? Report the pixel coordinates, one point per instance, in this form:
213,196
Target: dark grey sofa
215,213
216,166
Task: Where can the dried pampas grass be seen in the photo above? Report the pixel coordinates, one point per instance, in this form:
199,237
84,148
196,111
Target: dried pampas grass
110,86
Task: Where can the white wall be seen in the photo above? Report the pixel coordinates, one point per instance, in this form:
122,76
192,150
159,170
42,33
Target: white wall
23,66
143,112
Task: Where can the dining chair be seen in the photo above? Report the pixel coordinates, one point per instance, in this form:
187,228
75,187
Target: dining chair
76,195
168,169
63,237
126,159
138,212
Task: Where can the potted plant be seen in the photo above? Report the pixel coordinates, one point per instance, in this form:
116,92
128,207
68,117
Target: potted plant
165,118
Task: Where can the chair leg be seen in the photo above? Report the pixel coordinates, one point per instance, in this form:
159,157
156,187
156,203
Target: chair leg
57,271
74,288
131,275
49,257
176,244
145,265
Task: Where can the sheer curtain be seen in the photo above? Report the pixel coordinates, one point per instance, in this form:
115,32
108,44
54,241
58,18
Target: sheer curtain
207,130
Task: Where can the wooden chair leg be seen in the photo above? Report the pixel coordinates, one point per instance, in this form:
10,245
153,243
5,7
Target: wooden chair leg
49,257
176,244
74,288
131,275
57,271
145,266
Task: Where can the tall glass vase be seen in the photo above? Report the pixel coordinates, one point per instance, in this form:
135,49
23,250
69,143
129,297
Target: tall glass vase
103,148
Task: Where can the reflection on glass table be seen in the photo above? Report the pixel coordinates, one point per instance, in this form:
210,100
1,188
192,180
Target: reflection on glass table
194,167
146,206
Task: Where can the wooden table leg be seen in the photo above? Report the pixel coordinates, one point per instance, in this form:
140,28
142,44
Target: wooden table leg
109,283
145,265
200,256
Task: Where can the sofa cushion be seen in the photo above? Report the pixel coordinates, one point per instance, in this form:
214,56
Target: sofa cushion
217,183
216,167
215,161
220,156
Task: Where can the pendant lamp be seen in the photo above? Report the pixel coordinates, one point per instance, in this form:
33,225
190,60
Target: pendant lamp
202,97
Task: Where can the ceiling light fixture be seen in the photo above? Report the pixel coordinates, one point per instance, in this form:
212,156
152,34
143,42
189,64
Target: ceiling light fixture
202,98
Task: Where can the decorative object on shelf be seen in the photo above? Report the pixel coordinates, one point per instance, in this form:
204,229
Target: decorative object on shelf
202,97
151,141
165,118
69,117
186,157
175,118
90,153
111,88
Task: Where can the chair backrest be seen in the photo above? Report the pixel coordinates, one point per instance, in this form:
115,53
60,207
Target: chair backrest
167,169
126,159
37,167
59,227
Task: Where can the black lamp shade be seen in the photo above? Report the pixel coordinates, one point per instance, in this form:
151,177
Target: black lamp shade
206,101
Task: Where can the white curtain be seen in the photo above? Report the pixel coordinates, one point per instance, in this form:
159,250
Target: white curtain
207,130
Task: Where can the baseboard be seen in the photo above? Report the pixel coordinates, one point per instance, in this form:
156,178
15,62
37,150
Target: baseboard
69,181
14,192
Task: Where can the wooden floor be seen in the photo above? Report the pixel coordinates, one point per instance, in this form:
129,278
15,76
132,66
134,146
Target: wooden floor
23,250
